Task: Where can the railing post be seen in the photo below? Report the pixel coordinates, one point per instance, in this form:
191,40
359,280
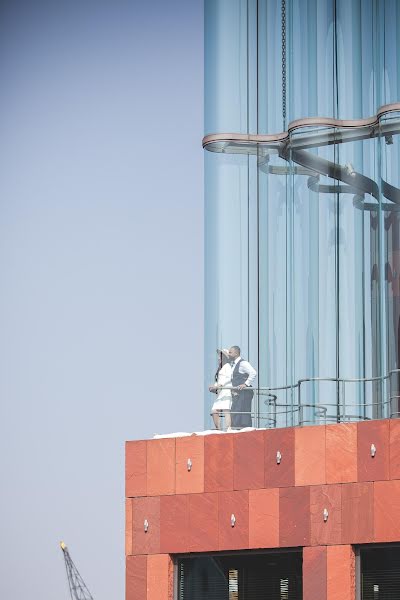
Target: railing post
299,404
222,420
344,400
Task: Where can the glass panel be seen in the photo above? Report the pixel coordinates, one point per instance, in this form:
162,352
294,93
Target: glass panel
270,117
354,48
227,263
311,64
315,269
387,44
226,66
275,368
390,186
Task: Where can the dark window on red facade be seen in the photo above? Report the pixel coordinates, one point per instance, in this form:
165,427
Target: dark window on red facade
251,576
380,573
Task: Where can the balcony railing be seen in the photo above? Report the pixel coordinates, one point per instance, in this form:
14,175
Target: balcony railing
290,405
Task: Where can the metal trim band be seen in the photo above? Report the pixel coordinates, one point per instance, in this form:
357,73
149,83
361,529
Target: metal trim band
298,124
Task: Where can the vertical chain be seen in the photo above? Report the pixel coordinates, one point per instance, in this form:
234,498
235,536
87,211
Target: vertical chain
283,23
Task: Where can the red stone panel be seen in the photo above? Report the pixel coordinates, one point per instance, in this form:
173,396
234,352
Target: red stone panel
314,573
387,511
340,573
294,516
190,479
237,504
326,530
161,467
310,455
203,522
341,453
282,441
160,573
135,469
218,462
357,513
146,509
128,526
174,524
248,460
264,518
377,467
136,578
394,449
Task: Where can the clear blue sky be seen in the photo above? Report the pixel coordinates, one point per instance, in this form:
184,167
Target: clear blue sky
101,270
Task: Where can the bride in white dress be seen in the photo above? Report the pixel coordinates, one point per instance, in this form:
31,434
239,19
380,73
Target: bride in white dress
223,379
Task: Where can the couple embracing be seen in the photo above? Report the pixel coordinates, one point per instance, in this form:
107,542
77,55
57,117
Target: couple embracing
233,381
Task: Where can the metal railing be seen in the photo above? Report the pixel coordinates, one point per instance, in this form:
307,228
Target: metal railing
269,412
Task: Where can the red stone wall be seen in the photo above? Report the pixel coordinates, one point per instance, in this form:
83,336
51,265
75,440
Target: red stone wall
275,505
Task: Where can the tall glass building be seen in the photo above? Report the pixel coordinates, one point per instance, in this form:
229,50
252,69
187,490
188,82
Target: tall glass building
302,180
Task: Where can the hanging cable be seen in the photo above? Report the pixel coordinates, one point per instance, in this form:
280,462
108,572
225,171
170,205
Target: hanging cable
283,23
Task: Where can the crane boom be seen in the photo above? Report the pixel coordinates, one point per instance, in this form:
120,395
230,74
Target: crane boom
77,586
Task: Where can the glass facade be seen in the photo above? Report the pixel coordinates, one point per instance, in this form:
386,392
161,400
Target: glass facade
302,201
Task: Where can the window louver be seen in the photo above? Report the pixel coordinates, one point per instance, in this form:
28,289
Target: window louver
381,585
380,573
241,577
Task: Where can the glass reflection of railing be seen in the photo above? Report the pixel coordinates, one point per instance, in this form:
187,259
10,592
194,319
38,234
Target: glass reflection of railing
269,412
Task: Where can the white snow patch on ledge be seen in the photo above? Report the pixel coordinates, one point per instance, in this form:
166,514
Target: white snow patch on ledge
158,436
